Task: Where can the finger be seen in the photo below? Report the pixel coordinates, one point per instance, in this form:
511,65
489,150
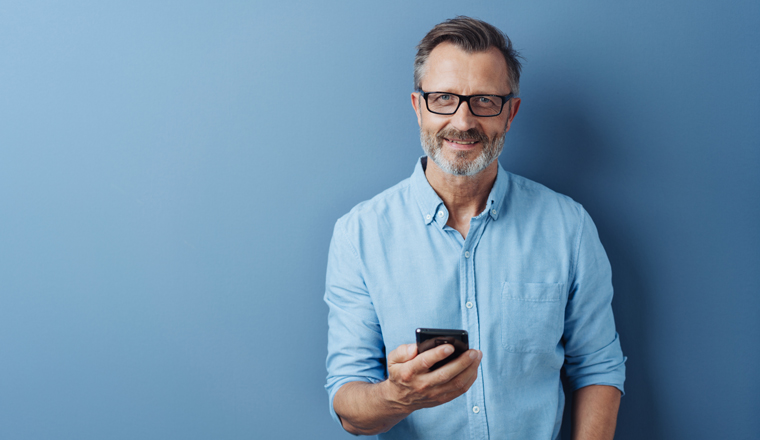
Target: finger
468,358
461,383
458,365
403,353
427,359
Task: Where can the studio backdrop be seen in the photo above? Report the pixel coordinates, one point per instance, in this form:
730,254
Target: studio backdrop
171,171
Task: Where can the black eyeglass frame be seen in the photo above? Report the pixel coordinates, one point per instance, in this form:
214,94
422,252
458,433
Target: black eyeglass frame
466,98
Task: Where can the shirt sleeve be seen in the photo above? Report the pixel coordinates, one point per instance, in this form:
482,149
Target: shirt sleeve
355,349
592,348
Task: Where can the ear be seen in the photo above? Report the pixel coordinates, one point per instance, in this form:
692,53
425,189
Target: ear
514,103
416,103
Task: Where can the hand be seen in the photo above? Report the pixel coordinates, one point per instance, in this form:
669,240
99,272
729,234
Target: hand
411,385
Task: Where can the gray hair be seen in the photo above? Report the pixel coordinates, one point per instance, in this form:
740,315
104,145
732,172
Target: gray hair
471,35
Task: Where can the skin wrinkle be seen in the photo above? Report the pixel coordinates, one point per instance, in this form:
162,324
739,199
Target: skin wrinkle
463,175
492,148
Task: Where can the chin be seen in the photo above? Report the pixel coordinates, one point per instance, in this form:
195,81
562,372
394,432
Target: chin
459,166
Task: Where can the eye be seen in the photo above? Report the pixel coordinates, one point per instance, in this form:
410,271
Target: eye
484,100
444,97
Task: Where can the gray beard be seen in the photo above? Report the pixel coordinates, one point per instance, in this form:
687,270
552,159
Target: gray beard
460,166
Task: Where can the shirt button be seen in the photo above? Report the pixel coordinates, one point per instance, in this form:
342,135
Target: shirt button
467,254
475,409
469,305
493,212
440,213
427,217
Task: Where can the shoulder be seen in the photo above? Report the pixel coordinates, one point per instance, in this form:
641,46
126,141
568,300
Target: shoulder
529,197
385,205
522,187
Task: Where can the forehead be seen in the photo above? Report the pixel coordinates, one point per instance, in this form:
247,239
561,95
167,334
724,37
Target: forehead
451,69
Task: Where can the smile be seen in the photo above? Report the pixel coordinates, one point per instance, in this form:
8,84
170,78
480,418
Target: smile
461,142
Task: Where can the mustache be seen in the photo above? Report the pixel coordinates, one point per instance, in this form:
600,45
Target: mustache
470,135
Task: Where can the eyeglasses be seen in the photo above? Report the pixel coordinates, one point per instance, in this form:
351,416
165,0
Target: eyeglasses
444,103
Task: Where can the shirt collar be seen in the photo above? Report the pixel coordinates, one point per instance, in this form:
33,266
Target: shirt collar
432,207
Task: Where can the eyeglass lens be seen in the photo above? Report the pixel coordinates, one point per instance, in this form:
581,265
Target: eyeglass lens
480,105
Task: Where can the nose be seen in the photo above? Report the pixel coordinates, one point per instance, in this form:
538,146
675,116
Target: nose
463,119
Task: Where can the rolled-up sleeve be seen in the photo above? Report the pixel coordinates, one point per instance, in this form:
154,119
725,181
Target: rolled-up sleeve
355,350
592,347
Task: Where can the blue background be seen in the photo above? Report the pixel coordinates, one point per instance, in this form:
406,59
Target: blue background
170,173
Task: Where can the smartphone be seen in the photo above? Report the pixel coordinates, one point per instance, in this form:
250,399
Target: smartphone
428,338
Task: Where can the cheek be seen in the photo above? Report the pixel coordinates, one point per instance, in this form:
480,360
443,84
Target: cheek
430,125
498,127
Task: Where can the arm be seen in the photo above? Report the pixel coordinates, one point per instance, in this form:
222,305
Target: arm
365,398
595,409
594,362
372,408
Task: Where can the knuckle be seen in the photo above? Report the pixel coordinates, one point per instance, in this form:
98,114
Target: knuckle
459,384
426,362
406,376
423,388
440,376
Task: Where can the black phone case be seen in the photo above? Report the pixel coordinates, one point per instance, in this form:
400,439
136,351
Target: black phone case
428,338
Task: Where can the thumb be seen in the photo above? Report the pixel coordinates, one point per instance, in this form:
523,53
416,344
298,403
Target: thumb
404,353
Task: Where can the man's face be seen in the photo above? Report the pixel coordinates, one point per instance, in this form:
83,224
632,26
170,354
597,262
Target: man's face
463,144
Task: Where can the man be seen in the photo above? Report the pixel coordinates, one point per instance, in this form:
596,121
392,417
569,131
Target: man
463,244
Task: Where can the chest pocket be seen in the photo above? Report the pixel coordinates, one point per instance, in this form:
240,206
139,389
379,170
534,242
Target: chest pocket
533,318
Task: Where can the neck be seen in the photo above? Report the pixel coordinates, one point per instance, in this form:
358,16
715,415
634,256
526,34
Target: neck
464,196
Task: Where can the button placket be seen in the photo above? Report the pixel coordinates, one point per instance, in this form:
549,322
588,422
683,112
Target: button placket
475,397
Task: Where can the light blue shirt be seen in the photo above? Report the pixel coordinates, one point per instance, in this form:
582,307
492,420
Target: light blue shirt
531,284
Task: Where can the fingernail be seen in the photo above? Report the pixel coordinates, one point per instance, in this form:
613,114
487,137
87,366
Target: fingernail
410,349
480,354
448,349
473,354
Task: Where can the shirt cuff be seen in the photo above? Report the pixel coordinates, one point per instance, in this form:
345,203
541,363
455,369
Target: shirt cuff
333,387
603,367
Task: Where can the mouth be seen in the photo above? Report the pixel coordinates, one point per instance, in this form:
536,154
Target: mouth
461,141
461,144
